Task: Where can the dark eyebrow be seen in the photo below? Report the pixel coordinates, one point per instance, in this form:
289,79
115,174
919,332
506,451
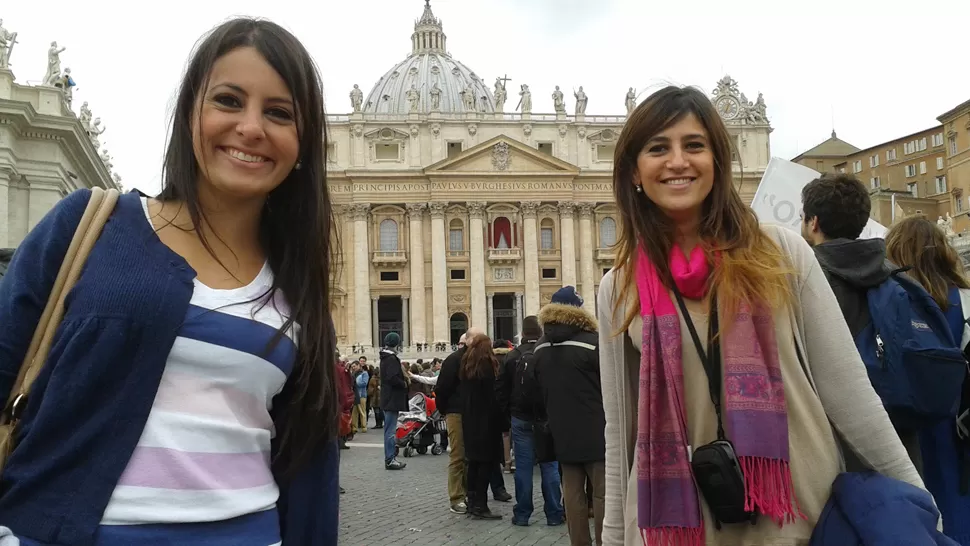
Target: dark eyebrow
243,92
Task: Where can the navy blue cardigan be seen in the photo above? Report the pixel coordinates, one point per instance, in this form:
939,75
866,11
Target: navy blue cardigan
90,403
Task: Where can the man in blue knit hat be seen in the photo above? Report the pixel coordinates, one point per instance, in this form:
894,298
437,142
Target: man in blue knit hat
394,397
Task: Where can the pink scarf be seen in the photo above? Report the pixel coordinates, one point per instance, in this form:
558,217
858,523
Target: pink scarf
755,418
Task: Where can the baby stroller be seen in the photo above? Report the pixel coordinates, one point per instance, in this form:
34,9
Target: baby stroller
420,427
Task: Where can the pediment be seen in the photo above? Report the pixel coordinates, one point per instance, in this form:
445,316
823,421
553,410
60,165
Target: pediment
605,135
503,155
386,134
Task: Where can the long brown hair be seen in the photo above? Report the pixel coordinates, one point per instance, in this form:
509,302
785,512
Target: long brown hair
916,242
478,360
752,267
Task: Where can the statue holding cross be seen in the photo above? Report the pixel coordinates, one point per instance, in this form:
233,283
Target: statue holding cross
500,94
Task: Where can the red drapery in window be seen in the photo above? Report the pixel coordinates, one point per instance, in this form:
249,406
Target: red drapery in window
502,229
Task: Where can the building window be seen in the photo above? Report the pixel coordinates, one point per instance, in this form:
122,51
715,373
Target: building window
390,276
605,152
913,189
607,232
842,170
545,148
939,163
940,184
546,232
548,273
456,235
922,167
820,166
921,145
388,233
910,170
891,155
908,148
387,152
857,166
953,145
457,274
960,204
502,233
605,271
874,182
874,160
454,149
331,152
938,139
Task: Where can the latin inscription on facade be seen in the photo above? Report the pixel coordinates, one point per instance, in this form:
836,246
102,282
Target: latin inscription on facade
417,187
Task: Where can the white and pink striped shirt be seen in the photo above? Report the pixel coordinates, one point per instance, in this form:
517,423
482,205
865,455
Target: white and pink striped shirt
204,455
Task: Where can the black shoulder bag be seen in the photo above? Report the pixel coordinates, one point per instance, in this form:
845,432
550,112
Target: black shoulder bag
717,471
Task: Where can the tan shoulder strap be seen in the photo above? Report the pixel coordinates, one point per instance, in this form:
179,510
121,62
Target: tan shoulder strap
99,208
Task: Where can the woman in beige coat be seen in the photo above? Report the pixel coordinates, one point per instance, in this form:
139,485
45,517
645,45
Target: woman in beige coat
692,251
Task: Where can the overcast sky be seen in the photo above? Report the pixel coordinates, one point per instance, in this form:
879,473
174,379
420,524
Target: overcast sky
882,71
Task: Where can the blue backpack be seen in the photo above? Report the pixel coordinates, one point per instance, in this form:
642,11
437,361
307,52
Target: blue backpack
913,362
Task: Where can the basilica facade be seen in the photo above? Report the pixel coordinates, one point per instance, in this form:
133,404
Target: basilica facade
453,212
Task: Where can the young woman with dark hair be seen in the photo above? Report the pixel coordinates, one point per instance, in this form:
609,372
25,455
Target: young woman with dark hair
918,243
689,242
482,415
190,397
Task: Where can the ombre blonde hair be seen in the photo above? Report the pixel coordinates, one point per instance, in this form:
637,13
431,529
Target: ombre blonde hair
752,268
918,243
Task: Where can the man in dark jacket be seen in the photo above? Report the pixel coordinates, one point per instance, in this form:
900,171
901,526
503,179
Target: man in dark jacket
519,377
394,397
568,376
836,209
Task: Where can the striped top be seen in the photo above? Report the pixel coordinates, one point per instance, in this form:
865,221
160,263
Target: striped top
200,473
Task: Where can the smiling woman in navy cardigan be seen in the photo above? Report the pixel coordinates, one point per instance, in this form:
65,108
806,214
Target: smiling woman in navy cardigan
189,396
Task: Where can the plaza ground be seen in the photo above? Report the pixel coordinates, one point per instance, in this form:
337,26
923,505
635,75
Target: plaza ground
384,507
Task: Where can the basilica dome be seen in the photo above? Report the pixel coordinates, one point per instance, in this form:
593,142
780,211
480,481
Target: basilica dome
429,70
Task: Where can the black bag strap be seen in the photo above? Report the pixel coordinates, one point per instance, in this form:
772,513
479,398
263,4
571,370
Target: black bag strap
711,358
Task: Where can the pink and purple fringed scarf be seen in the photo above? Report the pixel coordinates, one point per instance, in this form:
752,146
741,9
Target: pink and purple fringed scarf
755,418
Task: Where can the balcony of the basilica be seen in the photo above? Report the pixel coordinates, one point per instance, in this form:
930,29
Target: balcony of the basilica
504,255
389,258
458,255
605,255
549,253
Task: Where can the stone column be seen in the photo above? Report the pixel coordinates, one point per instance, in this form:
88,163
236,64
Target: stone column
6,175
586,265
418,310
490,320
439,274
518,313
374,322
476,236
363,333
531,257
405,323
567,236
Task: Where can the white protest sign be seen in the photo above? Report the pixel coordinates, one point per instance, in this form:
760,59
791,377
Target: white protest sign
779,197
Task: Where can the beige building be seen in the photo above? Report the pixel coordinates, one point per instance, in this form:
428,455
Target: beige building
456,210
826,155
956,135
46,152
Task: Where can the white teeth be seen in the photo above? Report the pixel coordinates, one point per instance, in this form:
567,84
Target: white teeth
245,157
678,182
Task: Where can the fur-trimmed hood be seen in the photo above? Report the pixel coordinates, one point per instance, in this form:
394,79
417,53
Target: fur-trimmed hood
501,351
561,322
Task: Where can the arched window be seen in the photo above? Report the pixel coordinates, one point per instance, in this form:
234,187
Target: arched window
502,233
547,230
388,236
607,232
456,235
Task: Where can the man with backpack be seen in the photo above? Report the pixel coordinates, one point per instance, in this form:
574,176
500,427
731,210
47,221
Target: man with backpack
519,374
906,345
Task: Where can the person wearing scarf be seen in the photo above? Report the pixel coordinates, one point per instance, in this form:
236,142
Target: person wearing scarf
790,372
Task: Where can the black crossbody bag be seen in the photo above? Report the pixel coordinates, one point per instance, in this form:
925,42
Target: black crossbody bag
717,470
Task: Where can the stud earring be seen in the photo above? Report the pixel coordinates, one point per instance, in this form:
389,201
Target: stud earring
298,166
639,188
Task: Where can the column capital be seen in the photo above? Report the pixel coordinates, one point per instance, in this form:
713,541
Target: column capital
585,209
416,211
529,208
437,209
476,209
518,294
405,297
359,211
566,209
375,298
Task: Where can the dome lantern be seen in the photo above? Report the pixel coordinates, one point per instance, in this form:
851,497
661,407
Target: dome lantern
428,35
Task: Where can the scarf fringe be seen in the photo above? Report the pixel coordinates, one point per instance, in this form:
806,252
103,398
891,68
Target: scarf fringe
769,489
673,536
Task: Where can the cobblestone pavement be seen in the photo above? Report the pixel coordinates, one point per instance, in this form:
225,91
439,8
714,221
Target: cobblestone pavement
411,506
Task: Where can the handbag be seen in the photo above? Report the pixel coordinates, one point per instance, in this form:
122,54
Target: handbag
99,208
